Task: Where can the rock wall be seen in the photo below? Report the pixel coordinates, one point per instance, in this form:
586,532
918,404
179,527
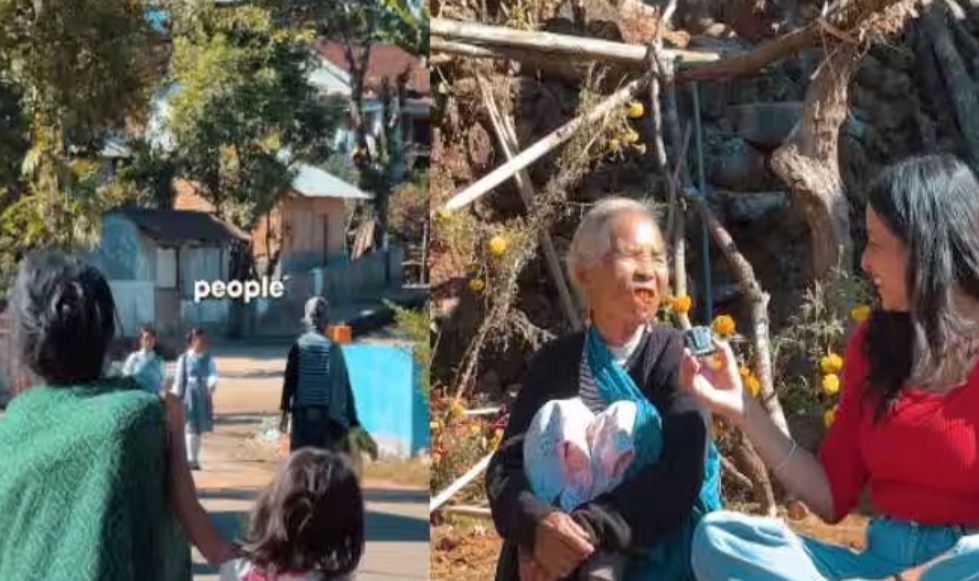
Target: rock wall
899,105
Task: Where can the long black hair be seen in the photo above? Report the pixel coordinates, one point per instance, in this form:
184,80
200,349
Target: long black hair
62,318
931,203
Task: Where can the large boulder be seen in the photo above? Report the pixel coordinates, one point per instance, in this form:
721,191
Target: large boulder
733,164
764,124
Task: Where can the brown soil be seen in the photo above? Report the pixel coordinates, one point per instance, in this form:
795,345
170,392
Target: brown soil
469,551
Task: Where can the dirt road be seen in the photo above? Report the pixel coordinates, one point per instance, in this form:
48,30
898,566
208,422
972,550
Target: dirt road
236,467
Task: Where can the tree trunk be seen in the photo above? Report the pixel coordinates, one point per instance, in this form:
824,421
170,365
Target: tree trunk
751,465
809,160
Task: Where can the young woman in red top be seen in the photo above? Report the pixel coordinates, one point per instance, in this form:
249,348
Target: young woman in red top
908,422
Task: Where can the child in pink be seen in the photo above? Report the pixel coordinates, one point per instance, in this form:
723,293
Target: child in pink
308,525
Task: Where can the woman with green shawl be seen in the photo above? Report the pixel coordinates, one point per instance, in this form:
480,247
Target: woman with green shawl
95,484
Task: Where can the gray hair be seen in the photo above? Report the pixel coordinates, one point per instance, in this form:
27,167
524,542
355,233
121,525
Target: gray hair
593,237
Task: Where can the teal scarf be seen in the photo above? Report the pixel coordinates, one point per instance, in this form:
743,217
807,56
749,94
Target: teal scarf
669,560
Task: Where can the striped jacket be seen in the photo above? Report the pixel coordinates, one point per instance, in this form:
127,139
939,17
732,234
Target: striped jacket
316,376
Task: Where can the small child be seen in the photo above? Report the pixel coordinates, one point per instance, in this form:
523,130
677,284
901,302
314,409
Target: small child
194,382
308,525
573,455
145,365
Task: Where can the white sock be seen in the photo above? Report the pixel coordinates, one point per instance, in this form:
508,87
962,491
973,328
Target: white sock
193,447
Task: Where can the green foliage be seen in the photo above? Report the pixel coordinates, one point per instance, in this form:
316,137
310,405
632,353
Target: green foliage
401,22
37,219
819,328
338,165
415,326
13,137
410,209
409,27
148,177
243,98
70,72
82,65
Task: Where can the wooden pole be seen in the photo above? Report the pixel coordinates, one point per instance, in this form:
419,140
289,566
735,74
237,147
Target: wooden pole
759,305
538,150
847,16
451,490
470,511
437,45
508,142
548,42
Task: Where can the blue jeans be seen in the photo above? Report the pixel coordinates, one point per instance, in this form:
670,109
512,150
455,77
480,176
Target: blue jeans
730,546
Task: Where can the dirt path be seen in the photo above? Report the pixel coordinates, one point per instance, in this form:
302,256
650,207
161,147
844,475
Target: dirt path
237,467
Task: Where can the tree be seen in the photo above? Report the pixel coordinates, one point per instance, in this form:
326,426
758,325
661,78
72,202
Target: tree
69,74
147,178
13,142
82,66
360,25
410,209
245,110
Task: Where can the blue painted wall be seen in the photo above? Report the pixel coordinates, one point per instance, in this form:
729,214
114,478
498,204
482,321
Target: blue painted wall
389,400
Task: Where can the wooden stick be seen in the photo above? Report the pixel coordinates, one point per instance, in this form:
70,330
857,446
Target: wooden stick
508,142
679,227
844,18
542,147
451,490
733,471
563,44
483,411
473,511
437,45
674,217
759,300
682,156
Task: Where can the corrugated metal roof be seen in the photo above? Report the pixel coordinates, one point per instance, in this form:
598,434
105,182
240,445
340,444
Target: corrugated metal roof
177,227
314,182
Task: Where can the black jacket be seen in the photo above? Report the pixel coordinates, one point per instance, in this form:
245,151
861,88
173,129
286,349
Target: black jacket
639,511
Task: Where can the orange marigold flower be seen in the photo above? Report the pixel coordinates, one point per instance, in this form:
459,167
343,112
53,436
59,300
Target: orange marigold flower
497,246
831,363
681,304
831,383
860,312
724,325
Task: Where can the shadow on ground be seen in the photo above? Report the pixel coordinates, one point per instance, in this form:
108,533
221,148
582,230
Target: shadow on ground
387,527
257,374
381,526
246,493
242,419
390,496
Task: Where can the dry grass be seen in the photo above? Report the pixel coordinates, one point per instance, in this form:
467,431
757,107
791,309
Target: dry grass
414,473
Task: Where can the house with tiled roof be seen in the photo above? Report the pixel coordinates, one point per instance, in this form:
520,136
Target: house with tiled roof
332,78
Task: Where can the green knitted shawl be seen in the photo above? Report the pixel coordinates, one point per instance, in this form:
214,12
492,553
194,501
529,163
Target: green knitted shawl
83,493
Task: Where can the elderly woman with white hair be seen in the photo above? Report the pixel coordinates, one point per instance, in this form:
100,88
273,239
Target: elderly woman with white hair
606,463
